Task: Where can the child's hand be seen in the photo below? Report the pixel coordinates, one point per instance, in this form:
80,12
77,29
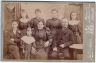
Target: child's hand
33,50
55,49
12,39
23,51
46,44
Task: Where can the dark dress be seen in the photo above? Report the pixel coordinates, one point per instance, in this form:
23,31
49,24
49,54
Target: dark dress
34,22
41,36
23,26
77,29
53,24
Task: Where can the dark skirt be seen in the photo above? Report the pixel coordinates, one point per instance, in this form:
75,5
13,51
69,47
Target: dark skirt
41,54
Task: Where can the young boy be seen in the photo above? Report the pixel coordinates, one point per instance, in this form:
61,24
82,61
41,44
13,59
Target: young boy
27,42
14,40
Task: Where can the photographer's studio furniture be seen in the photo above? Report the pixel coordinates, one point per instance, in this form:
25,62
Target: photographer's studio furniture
77,51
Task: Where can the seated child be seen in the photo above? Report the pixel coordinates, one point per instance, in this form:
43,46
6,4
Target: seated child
27,42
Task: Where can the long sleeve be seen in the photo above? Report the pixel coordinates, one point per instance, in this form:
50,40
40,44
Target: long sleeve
44,22
47,23
32,23
49,35
71,40
80,28
34,45
17,39
29,25
22,44
59,24
80,37
9,37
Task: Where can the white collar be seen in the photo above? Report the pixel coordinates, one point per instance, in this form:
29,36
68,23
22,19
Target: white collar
73,22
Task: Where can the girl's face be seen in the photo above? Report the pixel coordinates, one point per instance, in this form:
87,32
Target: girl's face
23,14
54,14
73,16
29,32
40,25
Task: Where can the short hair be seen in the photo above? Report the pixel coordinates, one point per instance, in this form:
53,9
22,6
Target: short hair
54,10
14,21
37,10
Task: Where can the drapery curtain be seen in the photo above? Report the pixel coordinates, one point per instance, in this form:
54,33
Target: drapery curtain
11,12
17,10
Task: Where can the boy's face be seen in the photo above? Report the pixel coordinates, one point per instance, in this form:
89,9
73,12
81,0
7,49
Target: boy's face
37,14
73,16
54,14
14,25
29,32
64,23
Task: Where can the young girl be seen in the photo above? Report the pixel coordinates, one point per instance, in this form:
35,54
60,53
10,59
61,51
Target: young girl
23,23
23,20
27,42
75,26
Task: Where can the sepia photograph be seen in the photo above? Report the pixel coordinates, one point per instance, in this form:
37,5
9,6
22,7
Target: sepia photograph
42,31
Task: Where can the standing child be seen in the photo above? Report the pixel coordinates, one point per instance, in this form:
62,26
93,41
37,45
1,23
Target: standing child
75,26
27,42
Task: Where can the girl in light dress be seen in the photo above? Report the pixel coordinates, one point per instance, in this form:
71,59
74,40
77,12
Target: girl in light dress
27,41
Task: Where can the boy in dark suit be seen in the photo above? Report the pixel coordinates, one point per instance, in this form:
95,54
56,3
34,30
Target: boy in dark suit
14,40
